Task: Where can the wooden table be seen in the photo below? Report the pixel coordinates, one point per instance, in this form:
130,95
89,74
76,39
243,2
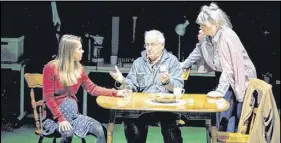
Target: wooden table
105,68
196,107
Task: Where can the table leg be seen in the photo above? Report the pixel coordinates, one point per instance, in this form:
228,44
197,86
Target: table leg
85,100
22,112
214,129
208,130
110,127
214,134
85,97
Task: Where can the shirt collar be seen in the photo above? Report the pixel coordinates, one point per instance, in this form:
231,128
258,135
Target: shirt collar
217,36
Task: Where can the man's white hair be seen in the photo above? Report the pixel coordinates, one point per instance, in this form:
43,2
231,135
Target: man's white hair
214,15
155,34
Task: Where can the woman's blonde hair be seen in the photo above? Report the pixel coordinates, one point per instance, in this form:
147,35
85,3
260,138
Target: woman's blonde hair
214,15
69,70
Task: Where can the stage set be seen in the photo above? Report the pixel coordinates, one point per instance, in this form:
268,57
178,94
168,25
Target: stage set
194,103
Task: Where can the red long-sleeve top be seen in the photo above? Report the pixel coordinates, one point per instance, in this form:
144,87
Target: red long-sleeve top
54,92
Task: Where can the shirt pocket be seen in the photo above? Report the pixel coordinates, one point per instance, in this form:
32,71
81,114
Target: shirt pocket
142,79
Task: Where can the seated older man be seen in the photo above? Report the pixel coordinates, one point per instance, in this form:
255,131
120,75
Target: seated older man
154,72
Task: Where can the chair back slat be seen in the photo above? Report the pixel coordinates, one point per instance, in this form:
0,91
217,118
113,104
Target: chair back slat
34,80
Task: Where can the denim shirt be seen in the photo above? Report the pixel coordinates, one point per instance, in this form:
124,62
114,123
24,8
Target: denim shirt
143,77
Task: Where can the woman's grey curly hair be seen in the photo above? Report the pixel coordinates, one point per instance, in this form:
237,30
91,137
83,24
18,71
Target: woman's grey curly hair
214,15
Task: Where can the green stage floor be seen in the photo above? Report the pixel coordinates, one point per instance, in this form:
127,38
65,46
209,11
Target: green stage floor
25,134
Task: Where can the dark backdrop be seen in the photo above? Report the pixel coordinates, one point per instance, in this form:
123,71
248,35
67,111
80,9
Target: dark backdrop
251,21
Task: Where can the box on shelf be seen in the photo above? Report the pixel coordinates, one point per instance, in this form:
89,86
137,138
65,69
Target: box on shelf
11,49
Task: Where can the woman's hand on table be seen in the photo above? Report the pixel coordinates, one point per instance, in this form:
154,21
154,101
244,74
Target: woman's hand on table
214,97
124,93
214,94
121,93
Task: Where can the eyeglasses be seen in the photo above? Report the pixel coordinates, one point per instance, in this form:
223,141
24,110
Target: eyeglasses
202,26
151,44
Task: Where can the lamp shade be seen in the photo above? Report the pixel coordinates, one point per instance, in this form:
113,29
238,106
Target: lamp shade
180,28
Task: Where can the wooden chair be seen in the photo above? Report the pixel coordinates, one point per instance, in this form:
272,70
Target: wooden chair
35,80
227,137
246,129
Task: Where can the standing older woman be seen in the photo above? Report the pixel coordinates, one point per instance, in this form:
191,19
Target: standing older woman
221,50
62,78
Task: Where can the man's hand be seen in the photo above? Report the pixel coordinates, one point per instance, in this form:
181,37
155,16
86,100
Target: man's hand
215,94
200,35
164,77
117,75
64,126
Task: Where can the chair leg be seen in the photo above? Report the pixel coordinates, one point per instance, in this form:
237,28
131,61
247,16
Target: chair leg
54,140
110,129
40,139
83,140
